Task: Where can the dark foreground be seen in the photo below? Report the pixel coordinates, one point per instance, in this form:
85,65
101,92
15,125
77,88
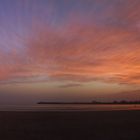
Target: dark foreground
104,125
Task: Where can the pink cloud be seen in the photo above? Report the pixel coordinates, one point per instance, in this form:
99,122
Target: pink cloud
81,51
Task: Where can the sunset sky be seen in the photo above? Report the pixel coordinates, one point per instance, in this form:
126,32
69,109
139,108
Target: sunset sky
69,50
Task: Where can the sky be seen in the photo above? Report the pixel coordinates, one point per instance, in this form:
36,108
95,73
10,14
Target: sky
69,50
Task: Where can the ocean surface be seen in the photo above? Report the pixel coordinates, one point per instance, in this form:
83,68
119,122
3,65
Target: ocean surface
68,107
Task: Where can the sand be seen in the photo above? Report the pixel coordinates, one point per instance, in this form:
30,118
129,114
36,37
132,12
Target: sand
97,125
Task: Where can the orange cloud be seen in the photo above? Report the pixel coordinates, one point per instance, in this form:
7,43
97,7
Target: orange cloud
87,53
82,51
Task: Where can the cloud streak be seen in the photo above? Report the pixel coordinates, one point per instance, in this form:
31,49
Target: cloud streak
104,46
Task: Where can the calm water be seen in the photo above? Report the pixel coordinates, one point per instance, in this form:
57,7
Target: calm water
68,107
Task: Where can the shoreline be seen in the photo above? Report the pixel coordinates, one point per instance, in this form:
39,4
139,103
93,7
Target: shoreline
69,108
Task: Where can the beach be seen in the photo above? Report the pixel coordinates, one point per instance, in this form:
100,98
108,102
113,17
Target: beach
72,125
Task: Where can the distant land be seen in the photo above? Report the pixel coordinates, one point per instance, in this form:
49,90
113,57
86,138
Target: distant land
93,102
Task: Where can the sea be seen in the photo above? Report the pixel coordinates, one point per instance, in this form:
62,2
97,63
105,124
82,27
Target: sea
68,107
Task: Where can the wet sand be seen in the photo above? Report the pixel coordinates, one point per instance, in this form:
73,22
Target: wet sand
96,125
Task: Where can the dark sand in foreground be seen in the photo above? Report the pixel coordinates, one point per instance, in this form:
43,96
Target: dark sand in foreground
104,125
